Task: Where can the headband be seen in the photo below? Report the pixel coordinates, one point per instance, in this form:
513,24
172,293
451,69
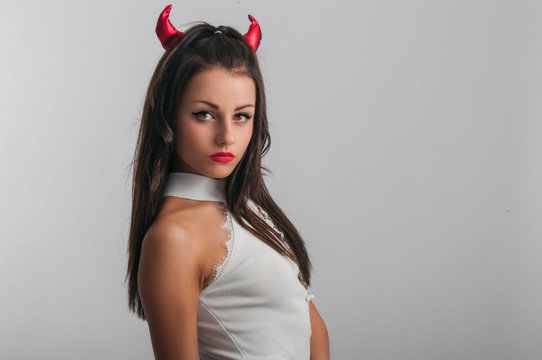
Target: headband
168,35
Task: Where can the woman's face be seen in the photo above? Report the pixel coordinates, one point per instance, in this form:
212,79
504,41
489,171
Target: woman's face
216,114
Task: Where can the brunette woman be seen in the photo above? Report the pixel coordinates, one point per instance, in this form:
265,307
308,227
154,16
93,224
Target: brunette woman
215,267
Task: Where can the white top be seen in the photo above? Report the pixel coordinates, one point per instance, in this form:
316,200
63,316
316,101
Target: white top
255,307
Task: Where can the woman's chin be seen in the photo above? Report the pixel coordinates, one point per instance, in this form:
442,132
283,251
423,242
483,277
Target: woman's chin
219,171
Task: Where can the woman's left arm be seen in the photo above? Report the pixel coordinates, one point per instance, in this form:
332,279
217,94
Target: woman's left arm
319,336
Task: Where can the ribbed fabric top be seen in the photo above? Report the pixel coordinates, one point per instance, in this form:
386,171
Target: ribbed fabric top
255,307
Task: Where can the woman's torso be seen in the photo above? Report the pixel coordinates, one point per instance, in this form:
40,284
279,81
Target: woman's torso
252,304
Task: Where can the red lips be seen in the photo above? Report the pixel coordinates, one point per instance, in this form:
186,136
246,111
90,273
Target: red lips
222,156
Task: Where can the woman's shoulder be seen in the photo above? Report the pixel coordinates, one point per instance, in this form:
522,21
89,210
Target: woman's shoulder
183,221
191,227
169,235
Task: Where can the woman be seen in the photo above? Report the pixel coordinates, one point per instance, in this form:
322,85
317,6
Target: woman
215,266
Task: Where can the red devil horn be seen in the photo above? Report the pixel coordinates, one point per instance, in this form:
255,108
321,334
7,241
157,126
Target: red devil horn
254,34
165,30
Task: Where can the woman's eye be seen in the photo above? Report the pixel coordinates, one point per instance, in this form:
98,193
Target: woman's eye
202,115
241,116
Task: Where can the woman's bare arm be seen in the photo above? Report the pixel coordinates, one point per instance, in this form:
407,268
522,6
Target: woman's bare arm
169,281
319,336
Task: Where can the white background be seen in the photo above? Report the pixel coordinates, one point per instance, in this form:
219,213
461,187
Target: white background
406,148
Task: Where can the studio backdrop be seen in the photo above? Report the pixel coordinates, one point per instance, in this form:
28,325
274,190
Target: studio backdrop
406,143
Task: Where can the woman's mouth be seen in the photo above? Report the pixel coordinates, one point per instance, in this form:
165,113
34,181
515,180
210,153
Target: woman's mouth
222,157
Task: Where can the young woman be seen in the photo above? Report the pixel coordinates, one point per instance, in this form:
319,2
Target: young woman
215,266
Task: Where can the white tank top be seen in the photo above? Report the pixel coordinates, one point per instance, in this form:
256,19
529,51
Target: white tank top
255,307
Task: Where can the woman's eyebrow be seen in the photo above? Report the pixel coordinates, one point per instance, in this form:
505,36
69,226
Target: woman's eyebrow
216,107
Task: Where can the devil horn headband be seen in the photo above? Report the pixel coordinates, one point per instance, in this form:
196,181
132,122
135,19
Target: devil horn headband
168,35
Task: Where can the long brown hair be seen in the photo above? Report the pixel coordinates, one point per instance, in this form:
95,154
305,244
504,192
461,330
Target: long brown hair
198,50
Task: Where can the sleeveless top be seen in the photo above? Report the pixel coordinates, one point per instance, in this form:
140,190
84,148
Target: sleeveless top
255,307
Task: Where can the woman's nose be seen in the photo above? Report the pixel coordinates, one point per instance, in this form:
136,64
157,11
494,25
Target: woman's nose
225,133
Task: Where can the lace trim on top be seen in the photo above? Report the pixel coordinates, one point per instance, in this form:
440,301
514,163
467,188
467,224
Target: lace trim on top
228,244
268,220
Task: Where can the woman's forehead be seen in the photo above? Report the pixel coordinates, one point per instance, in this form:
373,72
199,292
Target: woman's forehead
221,85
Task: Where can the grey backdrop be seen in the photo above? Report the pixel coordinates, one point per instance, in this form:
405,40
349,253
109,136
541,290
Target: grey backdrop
406,143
